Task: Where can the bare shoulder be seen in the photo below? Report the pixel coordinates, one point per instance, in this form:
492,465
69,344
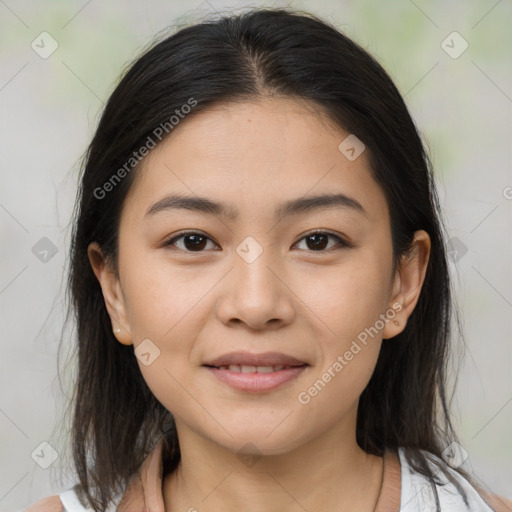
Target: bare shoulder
50,504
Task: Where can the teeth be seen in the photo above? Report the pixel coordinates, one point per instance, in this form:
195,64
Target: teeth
252,369
265,369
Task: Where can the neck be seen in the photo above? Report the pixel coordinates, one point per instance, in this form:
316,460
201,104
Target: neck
326,473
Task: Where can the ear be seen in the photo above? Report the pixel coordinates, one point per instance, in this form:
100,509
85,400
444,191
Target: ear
112,293
408,281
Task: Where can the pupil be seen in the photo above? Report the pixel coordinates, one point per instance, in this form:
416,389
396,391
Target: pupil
317,245
196,241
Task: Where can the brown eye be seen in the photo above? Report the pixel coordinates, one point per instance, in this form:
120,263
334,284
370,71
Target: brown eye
319,240
192,241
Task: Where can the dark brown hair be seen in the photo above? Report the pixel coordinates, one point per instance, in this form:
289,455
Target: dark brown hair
116,418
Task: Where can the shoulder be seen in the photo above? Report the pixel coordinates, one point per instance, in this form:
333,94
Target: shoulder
50,504
67,501
449,490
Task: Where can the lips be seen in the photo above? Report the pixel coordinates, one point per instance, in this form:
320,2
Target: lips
246,362
255,373
254,369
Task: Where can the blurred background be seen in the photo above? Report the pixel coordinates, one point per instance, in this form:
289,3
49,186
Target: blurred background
60,60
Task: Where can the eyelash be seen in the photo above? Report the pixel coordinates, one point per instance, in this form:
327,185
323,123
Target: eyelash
341,242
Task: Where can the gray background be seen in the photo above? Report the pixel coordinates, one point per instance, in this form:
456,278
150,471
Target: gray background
49,110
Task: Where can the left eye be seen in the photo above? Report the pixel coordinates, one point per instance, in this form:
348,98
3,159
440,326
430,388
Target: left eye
319,240
195,242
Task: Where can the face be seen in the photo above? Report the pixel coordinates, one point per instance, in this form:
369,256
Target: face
312,285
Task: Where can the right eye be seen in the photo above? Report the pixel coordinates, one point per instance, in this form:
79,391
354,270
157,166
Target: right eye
193,241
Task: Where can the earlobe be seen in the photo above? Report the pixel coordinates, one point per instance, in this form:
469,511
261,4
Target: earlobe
408,283
112,293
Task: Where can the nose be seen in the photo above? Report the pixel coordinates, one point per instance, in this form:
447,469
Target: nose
256,294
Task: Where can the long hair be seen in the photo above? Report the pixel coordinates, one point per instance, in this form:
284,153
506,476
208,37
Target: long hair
260,53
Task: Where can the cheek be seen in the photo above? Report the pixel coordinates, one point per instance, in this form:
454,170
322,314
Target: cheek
336,388
350,304
161,297
165,308
349,298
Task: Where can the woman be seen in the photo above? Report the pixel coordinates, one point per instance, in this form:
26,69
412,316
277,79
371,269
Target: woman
260,281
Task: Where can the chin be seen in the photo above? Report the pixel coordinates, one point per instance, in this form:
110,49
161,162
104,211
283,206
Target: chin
260,439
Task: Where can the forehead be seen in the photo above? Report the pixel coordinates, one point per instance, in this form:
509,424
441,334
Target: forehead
253,155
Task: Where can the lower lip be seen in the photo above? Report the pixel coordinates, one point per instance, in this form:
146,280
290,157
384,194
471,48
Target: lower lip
255,382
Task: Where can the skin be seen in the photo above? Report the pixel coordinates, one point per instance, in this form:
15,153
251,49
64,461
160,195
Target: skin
293,298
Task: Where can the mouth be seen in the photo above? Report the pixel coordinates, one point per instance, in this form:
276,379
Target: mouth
255,373
236,368
248,359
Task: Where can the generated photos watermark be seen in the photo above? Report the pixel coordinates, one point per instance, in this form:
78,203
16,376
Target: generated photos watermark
304,397
157,135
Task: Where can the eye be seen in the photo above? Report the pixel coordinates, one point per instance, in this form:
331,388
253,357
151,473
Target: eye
193,241
318,240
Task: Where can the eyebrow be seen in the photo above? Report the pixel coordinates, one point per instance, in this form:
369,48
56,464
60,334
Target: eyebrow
292,207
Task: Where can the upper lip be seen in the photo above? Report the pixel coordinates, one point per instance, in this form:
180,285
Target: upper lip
249,359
